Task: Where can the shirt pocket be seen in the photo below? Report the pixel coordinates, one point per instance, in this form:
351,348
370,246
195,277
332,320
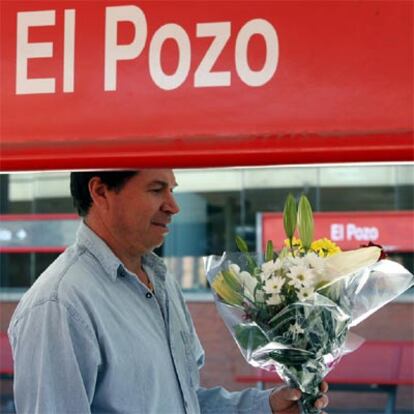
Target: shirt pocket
190,360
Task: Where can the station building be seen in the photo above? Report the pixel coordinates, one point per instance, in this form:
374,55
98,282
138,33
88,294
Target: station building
356,203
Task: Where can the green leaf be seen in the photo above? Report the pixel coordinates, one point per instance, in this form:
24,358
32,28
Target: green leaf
305,222
251,264
269,251
290,217
250,337
241,244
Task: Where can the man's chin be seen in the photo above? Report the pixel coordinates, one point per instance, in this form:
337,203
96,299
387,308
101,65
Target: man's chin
156,245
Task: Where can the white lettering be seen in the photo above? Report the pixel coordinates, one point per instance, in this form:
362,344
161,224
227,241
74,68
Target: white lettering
26,50
177,33
374,233
203,76
354,232
247,75
5,235
337,232
69,51
115,52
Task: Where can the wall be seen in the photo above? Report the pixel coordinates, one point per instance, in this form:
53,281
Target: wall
223,359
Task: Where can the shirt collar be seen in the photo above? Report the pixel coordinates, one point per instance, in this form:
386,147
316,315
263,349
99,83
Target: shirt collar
156,264
108,260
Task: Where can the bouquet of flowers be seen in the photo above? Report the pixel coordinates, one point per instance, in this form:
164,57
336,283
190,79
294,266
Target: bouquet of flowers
292,312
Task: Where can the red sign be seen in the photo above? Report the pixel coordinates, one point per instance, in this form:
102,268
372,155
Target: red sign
37,233
394,230
181,83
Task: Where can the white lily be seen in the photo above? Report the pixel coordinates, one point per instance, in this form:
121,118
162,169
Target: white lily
345,263
235,268
248,282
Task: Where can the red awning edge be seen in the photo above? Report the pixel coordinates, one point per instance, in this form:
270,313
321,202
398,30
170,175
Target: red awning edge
207,152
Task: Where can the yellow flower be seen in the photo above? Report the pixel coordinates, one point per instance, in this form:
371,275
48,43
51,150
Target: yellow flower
296,243
223,289
325,247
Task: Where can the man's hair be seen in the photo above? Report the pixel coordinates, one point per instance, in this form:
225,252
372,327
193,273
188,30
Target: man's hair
79,186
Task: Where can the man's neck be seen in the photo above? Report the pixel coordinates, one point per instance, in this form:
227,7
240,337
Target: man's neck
133,262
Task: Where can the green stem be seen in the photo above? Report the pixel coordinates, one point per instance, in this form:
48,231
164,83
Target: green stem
291,246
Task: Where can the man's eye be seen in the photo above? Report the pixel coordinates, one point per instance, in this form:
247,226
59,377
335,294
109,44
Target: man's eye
156,190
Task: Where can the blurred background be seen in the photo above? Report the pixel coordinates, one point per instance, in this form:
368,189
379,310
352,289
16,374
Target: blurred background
37,221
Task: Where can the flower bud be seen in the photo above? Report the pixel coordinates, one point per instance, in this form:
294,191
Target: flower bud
231,280
305,222
289,216
226,292
269,251
241,244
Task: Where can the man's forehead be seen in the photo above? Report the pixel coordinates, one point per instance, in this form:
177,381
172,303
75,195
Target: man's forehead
162,176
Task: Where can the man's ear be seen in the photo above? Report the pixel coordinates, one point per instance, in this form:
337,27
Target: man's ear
99,192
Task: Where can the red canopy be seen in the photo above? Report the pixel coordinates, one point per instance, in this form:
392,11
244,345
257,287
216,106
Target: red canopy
95,84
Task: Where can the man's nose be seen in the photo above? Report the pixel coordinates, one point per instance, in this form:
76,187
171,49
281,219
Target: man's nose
171,205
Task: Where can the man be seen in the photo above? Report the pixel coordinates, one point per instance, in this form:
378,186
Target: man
105,329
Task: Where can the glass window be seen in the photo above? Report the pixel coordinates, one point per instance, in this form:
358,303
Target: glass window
38,219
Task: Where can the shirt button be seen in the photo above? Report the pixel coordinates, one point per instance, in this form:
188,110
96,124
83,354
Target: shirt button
148,295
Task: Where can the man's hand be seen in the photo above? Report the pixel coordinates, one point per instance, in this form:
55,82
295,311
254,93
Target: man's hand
284,400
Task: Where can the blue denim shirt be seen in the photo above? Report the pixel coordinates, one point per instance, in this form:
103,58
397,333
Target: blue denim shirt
88,336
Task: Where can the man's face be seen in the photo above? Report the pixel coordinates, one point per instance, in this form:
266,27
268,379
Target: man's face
139,214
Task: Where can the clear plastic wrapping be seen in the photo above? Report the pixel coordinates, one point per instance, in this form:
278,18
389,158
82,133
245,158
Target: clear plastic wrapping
301,334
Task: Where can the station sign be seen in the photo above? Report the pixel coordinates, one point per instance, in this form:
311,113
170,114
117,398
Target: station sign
115,84
350,230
